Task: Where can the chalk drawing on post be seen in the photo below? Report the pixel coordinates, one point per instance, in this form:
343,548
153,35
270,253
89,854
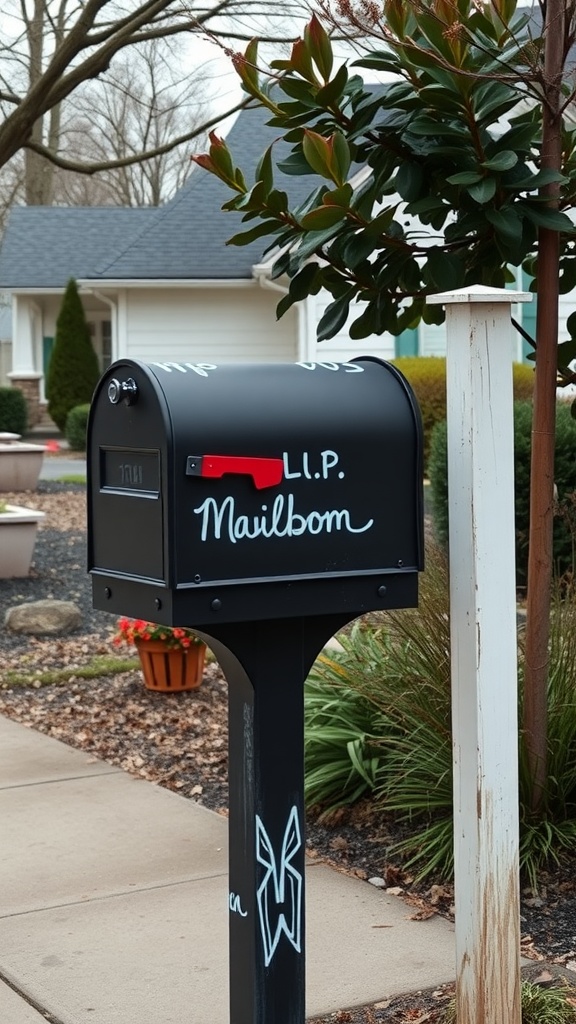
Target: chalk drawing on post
281,887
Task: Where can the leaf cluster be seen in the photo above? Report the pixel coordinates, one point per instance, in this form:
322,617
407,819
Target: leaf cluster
431,183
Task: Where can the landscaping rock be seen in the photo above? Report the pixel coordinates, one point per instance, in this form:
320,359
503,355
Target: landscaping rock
44,618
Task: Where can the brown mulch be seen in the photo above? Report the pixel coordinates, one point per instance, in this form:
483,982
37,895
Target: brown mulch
180,741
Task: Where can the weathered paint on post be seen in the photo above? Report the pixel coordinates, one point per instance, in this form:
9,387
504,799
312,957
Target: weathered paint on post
484,654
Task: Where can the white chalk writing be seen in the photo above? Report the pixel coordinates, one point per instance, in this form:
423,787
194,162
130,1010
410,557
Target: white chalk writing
281,520
346,367
328,461
282,886
235,905
202,369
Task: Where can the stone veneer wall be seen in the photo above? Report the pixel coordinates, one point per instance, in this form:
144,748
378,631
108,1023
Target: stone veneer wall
31,391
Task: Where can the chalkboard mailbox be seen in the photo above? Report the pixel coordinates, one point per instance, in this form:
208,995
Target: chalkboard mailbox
264,506
230,493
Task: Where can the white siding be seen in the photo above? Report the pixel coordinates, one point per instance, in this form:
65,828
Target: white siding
214,325
341,348
432,339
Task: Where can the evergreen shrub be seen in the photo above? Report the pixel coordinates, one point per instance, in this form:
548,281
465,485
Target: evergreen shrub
13,411
427,377
564,477
73,371
76,426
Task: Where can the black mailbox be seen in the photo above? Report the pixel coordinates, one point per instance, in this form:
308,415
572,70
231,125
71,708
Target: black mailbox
264,506
243,492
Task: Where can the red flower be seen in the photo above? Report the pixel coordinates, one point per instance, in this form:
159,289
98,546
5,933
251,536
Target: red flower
131,630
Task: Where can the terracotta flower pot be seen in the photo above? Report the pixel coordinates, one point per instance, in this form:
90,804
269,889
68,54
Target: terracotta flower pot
171,669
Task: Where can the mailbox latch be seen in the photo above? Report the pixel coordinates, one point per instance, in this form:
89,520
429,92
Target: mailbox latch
126,390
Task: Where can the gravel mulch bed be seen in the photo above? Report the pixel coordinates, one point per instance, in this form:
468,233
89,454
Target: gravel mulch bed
180,741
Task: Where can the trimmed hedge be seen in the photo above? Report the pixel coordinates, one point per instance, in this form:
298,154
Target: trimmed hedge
427,377
13,411
76,427
564,477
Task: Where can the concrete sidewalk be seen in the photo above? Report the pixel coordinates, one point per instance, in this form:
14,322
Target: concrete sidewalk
58,466
114,904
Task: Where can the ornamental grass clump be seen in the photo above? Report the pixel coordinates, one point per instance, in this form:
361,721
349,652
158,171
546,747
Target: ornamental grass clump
132,630
400,743
539,1005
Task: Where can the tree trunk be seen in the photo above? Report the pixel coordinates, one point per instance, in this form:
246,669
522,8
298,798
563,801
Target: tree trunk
540,557
39,174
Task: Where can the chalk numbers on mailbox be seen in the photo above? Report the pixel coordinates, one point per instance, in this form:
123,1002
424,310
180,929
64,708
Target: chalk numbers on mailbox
346,367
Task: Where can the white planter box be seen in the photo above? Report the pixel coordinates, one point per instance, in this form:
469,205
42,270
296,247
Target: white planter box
18,528
20,466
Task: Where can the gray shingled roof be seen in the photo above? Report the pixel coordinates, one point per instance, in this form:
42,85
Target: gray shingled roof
44,246
188,237
185,239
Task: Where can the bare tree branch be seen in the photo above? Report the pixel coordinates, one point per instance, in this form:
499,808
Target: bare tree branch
106,165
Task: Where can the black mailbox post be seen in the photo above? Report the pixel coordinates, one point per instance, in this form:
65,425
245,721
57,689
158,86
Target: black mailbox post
265,506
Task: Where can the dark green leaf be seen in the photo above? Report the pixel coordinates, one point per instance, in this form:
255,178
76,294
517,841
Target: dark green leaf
284,305
299,90
409,181
277,201
444,270
464,178
507,223
520,137
366,324
568,280
322,217
379,61
357,248
312,242
335,316
303,283
246,237
429,128
332,92
535,181
484,191
280,266
566,353
426,205
295,164
433,314
502,161
546,218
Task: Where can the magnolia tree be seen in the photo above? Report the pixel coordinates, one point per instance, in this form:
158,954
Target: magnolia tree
468,160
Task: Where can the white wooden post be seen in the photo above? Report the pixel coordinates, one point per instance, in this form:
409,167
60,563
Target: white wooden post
484,656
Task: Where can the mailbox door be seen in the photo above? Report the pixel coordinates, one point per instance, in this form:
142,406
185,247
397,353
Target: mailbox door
129,453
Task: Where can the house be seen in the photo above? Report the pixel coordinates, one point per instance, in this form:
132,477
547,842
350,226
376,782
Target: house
160,283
